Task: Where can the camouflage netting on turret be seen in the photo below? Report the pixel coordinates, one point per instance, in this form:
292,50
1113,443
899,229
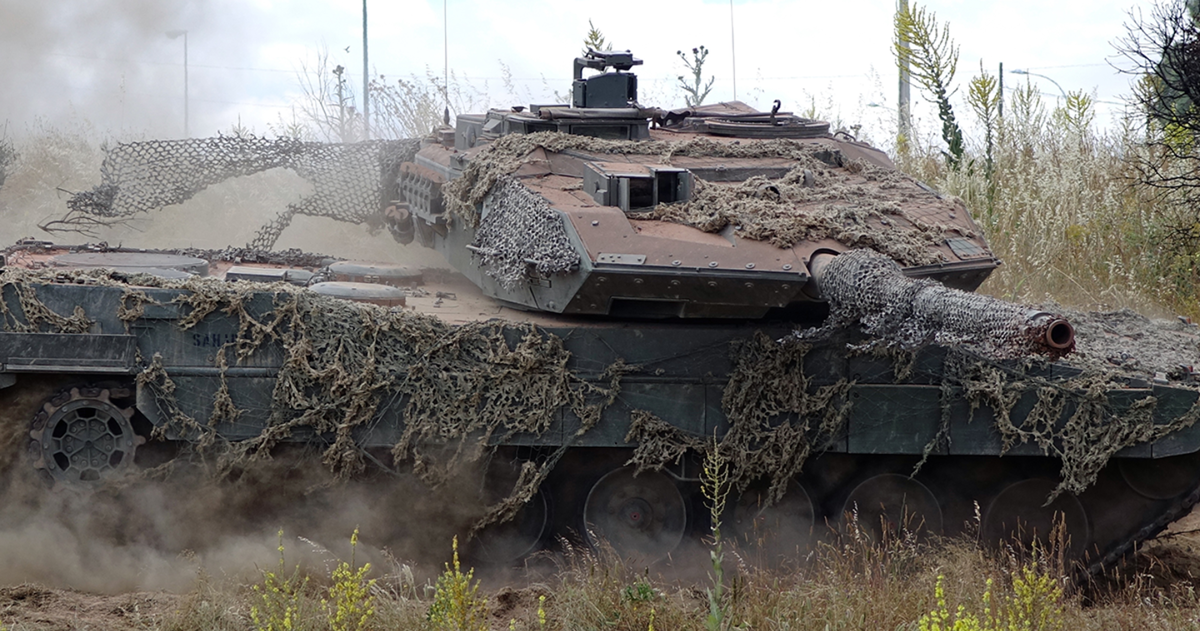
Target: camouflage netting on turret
517,230
349,180
854,202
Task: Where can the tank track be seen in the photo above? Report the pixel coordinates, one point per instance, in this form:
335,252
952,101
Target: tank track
1181,506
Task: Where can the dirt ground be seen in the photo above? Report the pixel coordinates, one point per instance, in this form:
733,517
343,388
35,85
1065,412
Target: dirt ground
35,608
30,607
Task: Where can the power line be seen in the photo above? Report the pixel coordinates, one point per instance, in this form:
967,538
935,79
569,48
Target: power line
1013,89
1066,66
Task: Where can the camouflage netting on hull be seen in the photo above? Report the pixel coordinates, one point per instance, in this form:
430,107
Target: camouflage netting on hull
768,381
1075,420
854,202
462,388
349,180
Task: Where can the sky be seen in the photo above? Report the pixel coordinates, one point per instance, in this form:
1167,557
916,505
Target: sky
109,66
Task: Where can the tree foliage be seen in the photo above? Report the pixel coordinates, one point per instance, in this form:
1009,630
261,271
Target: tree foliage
983,95
931,55
1161,48
328,105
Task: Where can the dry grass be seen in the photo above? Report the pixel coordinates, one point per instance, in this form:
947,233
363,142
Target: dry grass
1063,213
847,583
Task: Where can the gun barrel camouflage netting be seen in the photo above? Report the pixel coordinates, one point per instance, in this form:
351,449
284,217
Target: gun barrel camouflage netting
350,181
867,288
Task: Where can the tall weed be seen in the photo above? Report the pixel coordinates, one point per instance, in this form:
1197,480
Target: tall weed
457,604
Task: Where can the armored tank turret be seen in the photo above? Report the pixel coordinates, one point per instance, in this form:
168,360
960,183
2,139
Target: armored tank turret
603,207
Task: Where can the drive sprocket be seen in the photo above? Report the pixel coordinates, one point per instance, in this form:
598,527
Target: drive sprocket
81,436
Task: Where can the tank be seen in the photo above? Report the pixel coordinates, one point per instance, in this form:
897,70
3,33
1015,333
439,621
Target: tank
634,290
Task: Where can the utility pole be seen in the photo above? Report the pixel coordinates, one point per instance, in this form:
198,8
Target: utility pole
446,60
1002,90
366,76
733,49
174,35
903,112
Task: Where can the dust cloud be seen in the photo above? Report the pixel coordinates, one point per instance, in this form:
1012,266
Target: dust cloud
76,76
110,62
58,161
161,531
151,533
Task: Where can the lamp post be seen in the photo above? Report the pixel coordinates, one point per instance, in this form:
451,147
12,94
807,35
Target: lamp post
175,35
366,81
1034,74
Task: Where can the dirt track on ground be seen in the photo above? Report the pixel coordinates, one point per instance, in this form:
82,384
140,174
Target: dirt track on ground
44,609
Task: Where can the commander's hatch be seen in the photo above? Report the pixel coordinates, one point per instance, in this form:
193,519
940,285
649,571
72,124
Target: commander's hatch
634,187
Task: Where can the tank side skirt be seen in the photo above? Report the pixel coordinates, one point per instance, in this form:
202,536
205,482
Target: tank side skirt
683,371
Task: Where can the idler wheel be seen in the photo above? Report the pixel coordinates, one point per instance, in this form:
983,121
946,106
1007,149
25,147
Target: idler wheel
1020,514
783,528
1160,478
80,436
641,517
894,502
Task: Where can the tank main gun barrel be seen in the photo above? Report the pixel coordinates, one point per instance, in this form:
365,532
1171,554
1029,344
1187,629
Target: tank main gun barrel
867,287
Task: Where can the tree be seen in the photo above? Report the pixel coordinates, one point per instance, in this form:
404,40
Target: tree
328,103
697,90
1164,56
932,58
983,95
1162,50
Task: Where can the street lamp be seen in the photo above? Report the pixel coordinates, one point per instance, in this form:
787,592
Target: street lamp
1034,74
175,35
